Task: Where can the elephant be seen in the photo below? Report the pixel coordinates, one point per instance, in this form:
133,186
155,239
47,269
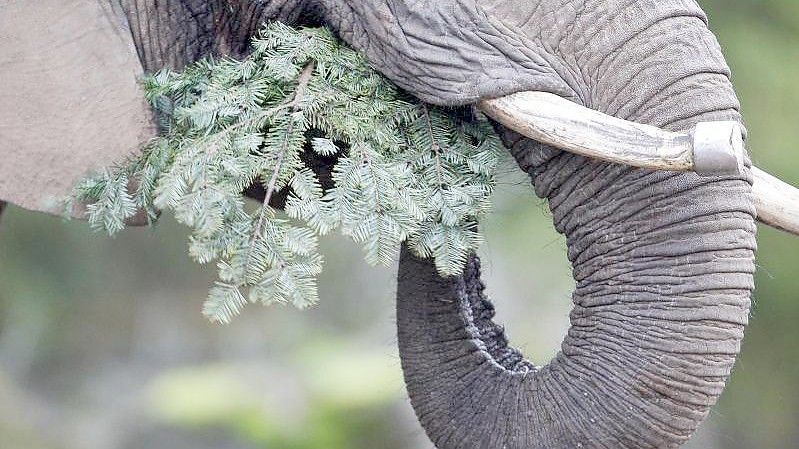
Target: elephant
663,260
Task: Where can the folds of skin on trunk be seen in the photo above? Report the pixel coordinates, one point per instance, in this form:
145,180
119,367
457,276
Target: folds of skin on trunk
663,264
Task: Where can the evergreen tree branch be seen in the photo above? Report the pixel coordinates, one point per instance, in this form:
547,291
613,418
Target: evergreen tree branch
401,170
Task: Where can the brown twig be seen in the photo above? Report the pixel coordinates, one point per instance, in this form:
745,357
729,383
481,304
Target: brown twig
294,104
436,146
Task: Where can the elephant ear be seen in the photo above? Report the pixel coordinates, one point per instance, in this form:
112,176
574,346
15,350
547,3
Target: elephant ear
71,101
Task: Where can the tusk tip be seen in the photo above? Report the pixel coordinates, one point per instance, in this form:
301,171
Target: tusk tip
718,148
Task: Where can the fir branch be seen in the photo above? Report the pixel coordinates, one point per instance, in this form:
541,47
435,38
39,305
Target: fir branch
405,171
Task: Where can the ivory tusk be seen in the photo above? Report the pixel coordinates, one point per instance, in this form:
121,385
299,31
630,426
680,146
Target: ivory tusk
776,202
711,148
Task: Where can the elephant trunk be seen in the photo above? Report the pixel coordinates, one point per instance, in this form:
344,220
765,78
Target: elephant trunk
663,264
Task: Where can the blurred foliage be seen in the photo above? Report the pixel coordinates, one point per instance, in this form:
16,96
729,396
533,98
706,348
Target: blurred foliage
102,344
760,408
340,399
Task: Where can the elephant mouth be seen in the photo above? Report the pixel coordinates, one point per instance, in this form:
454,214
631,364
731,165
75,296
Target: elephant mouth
477,313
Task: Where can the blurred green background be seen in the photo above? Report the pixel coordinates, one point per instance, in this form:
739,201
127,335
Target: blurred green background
102,345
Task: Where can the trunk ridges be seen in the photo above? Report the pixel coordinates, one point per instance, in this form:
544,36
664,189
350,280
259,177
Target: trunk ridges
663,264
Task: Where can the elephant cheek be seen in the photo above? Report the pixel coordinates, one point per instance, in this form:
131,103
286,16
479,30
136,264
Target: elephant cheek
174,34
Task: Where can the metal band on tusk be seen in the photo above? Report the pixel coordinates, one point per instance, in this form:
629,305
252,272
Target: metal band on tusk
711,148
718,148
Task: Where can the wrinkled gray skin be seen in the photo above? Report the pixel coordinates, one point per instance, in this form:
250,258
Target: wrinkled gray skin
663,261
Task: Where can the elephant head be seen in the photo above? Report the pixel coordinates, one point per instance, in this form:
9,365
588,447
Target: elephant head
663,260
